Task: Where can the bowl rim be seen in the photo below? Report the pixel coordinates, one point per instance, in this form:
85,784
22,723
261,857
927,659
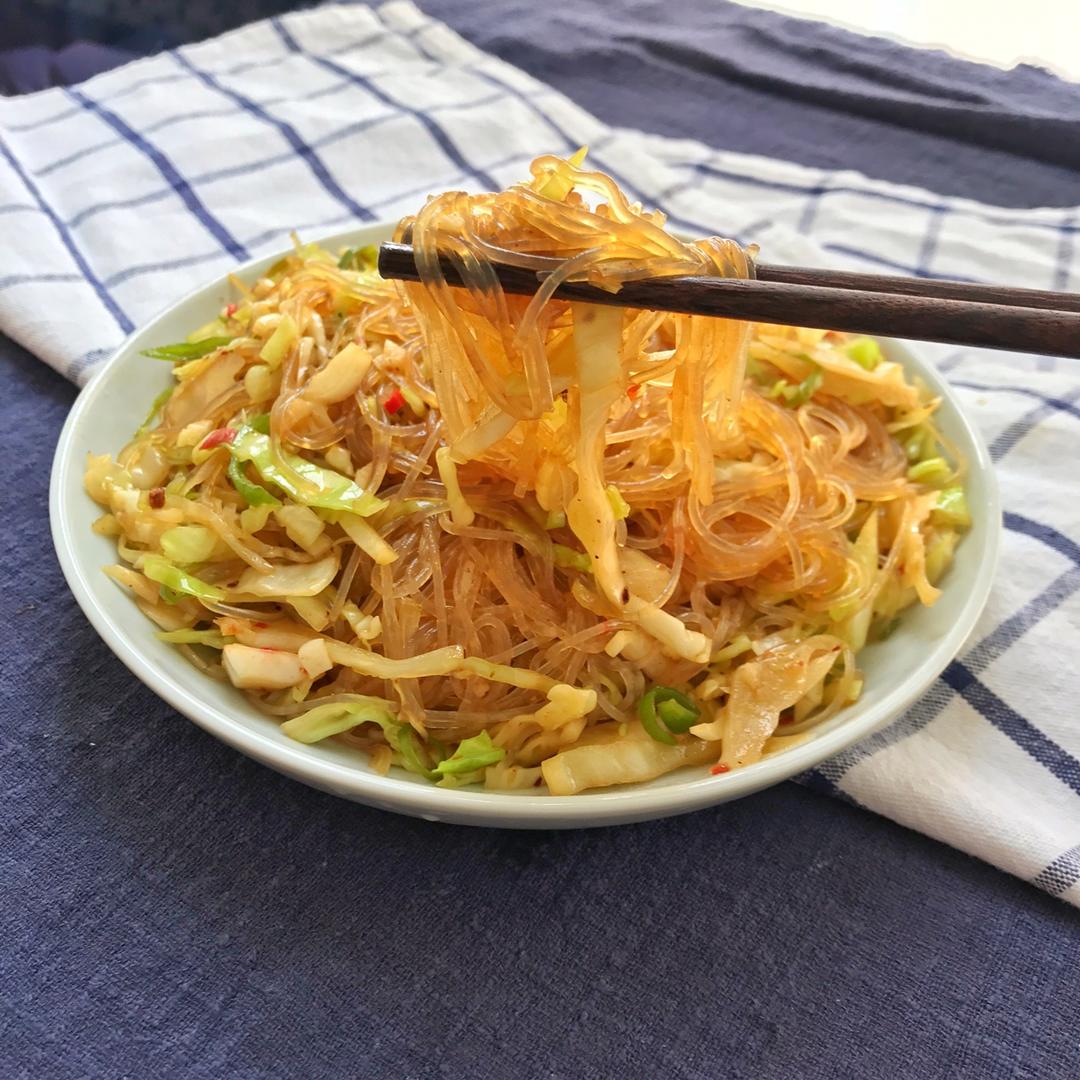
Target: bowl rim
608,806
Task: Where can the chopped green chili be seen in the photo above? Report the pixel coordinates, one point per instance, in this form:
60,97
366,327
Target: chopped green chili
665,712
186,350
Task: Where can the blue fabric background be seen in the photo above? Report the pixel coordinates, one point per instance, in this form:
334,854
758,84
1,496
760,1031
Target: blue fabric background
172,909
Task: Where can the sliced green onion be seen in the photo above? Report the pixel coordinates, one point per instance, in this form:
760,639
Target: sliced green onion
808,388
675,717
252,494
794,396
665,712
187,350
260,423
866,352
155,408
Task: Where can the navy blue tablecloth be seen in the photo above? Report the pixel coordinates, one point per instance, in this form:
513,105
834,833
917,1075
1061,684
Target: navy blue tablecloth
172,909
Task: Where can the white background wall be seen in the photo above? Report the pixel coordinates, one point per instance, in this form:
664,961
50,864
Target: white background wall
1002,32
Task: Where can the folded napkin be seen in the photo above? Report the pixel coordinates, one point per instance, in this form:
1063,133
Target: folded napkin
118,196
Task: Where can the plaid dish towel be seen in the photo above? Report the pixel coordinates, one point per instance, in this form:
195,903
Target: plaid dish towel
120,195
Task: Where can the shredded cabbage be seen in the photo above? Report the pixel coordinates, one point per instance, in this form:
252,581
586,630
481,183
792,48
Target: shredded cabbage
188,543
172,577
317,487
326,720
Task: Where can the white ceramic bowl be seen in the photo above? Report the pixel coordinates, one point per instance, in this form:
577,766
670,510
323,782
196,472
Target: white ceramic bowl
112,406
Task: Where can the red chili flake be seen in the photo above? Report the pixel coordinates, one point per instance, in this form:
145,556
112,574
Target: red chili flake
260,625
632,390
393,404
716,770
157,498
218,438
230,311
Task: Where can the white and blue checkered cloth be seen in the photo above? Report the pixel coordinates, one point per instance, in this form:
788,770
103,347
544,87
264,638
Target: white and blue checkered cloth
120,195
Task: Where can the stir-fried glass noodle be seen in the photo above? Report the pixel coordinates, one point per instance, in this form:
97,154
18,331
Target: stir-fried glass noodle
521,542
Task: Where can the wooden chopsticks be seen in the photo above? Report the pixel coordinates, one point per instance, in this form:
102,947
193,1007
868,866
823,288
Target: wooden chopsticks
951,312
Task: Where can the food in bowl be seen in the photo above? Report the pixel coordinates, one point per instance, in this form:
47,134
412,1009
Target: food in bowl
523,542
